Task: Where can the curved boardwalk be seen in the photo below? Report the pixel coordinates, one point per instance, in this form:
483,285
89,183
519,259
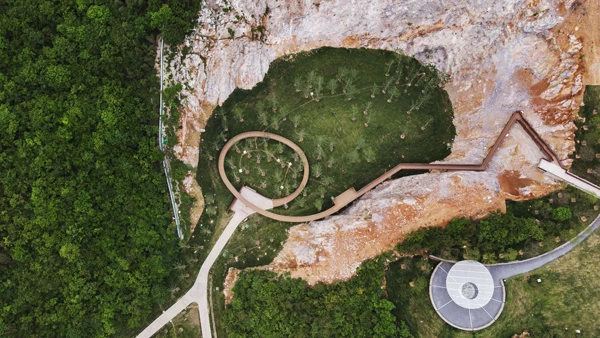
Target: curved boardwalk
351,194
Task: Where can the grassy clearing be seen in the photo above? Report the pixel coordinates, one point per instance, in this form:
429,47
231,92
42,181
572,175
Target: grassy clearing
270,167
348,142
349,131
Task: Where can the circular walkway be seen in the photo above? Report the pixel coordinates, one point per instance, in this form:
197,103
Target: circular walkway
465,295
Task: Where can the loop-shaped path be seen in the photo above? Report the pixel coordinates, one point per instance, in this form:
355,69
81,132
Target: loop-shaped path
351,194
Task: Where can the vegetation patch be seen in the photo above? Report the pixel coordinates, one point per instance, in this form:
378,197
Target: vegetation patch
355,113
87,242
586,163
263,156
527,229
269,306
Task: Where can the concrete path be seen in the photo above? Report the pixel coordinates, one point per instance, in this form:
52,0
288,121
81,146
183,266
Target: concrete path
199,291
568,177
506,270
473,320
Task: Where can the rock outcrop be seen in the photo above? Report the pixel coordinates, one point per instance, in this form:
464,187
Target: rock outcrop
502,56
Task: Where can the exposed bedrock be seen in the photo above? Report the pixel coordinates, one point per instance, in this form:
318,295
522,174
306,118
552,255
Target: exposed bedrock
502,56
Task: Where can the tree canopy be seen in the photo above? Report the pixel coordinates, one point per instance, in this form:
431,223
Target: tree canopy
267,306
87,240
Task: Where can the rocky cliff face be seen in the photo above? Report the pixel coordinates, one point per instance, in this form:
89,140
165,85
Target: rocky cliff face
502,56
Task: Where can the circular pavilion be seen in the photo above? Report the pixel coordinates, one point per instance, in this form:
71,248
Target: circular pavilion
465,294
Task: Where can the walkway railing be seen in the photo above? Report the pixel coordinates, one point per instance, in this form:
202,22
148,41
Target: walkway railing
162,146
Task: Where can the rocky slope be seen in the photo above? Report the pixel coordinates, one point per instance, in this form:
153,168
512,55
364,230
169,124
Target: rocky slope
502,56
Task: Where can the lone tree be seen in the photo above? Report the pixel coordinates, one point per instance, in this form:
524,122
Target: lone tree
238,113
298,84
295,120
300,134
393,92
332,85
342,72
389,65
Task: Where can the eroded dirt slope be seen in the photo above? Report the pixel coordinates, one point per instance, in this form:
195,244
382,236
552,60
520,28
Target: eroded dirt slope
502,56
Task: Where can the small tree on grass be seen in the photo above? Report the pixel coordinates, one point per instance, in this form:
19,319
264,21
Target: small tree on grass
306,90
301,202
351,92
393,92
320,140
269,155
231,163
274,102
263,119
211,210
295,120
327,180
275,122
317,170
354,156
278,176
374,90
179,267
342,72
224,123
367,121
321,191
332,86
330,162
279,148
311,78
352,74
360,143
258,158
388,65
238,113
260,108
367,108
318,88
319,204
300,134
353,112
320,154
369,155
298,84
388,83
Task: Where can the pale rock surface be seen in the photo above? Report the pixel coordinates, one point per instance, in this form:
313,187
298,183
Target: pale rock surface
502,55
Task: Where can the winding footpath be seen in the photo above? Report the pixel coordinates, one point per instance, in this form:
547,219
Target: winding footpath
247,202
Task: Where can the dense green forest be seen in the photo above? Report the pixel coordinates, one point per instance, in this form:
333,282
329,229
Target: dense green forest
267,306
87,237
527,229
